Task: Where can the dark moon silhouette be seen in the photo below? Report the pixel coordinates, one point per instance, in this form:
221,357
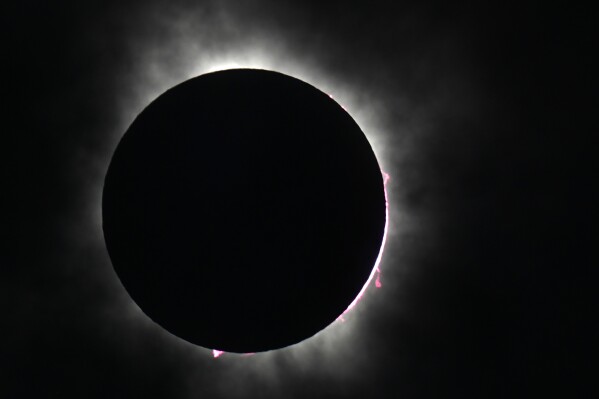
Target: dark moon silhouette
244,210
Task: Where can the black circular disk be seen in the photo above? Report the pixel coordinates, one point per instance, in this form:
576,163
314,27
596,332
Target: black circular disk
243,210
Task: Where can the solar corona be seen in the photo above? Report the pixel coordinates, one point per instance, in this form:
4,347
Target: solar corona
244,211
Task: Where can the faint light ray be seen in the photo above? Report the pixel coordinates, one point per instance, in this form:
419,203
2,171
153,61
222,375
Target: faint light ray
261,53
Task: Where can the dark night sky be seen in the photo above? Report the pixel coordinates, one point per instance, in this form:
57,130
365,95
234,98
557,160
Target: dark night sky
480,115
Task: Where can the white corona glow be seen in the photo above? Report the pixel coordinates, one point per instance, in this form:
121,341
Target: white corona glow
359,109
156,65
266,57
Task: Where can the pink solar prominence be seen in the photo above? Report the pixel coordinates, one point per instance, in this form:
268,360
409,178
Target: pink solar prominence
216,353
375,270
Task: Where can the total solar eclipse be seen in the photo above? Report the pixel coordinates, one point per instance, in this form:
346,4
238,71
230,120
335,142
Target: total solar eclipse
244,210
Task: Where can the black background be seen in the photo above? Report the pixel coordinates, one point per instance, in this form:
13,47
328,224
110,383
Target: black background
482,115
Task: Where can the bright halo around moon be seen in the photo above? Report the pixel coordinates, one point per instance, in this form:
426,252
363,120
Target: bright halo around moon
300,195
154,67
